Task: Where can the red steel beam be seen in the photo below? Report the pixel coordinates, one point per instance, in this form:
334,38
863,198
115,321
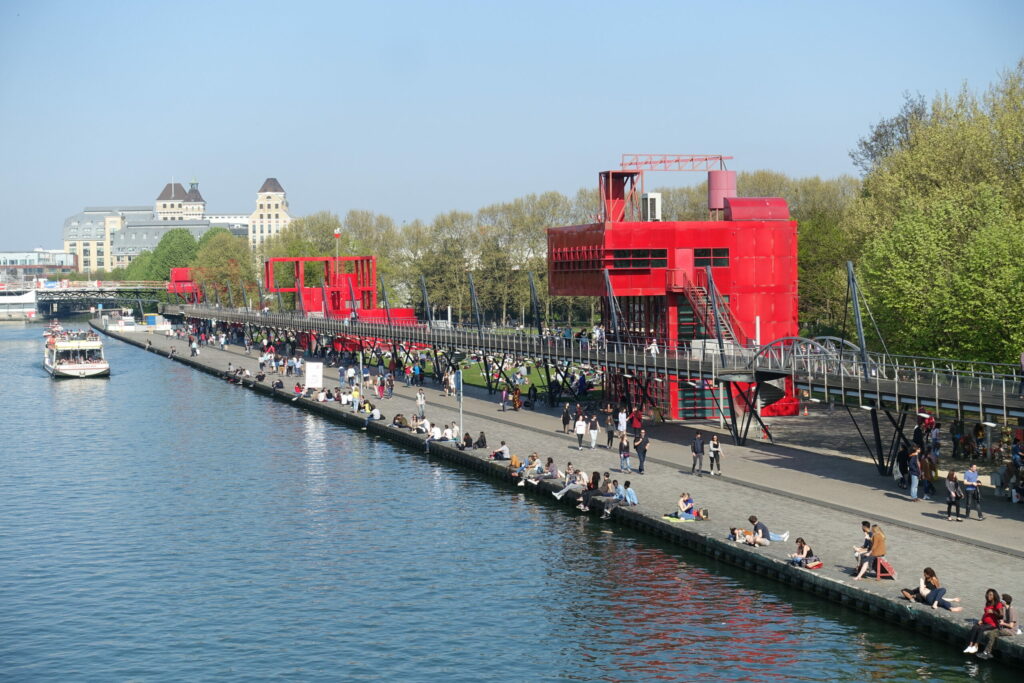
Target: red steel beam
674,162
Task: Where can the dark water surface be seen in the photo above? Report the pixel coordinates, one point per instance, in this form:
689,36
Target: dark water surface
163,525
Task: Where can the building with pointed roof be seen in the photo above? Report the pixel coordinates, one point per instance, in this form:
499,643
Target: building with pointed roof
271,215
108,237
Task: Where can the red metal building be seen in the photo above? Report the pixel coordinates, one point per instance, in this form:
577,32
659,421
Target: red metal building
348,287
657,272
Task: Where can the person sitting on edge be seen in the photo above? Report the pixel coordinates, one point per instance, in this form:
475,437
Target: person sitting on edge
871,558
803,556
685,508
761,536
930,592
399,422
260,376
467,442
481,441
990,620
864,547
605,490
278,384
1007,625
631,498
575,480
447,434
618,498
373,414
549,471
531,467
502,453
423,426
298,389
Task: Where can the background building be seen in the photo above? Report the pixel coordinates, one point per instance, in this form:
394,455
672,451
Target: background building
108,237
17,267
271,214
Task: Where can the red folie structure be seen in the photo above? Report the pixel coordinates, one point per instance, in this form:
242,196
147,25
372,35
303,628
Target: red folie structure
348,289
658,274
181,283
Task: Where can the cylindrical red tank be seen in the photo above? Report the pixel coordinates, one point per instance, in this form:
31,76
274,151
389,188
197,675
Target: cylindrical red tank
721,184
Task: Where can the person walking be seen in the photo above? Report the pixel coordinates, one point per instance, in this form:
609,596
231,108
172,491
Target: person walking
609,427
580,429
636,421
954,493
421,403
697,451
640,444
595,428
914,468
566,419
715,461
624,454
972,491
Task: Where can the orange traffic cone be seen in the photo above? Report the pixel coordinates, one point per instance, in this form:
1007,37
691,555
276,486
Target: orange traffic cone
805,410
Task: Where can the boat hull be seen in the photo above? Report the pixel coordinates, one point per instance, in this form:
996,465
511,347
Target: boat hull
78,370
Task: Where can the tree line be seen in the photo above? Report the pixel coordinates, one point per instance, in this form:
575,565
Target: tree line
934,228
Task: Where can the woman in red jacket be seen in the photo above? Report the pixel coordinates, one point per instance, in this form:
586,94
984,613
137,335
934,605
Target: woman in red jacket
989,620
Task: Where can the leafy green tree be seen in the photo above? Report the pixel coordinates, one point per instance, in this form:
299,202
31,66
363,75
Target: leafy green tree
939,220
210,234
141,267
225,259
176,249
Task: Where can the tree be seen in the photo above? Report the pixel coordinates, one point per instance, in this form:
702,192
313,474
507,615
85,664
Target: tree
224,260
141,267
890,134
210,234
177,249
939,220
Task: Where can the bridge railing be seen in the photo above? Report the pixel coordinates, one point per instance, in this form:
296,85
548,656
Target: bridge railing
914,380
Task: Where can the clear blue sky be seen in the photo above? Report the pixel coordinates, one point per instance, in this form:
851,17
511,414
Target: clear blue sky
416,108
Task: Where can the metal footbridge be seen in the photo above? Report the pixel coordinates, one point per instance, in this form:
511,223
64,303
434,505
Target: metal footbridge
824,369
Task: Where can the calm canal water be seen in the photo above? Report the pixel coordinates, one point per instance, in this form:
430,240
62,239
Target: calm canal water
163,525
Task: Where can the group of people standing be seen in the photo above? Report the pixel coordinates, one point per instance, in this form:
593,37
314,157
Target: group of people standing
622,426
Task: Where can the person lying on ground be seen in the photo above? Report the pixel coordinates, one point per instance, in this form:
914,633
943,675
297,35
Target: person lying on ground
761,536
872,557
990,620
1007,626
930,592
503,452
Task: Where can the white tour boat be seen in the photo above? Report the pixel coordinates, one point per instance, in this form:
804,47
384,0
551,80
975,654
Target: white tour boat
75,355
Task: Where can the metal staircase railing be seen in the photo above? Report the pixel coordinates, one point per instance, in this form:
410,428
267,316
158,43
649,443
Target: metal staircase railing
700,301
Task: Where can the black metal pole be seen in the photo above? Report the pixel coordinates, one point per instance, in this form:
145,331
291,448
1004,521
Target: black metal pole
427,311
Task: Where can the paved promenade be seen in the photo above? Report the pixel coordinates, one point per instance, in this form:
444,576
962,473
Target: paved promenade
821,494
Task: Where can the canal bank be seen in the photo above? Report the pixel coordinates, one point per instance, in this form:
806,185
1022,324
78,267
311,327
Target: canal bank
966,568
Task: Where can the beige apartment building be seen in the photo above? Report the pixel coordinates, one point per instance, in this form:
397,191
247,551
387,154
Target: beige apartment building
271,213
108,237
